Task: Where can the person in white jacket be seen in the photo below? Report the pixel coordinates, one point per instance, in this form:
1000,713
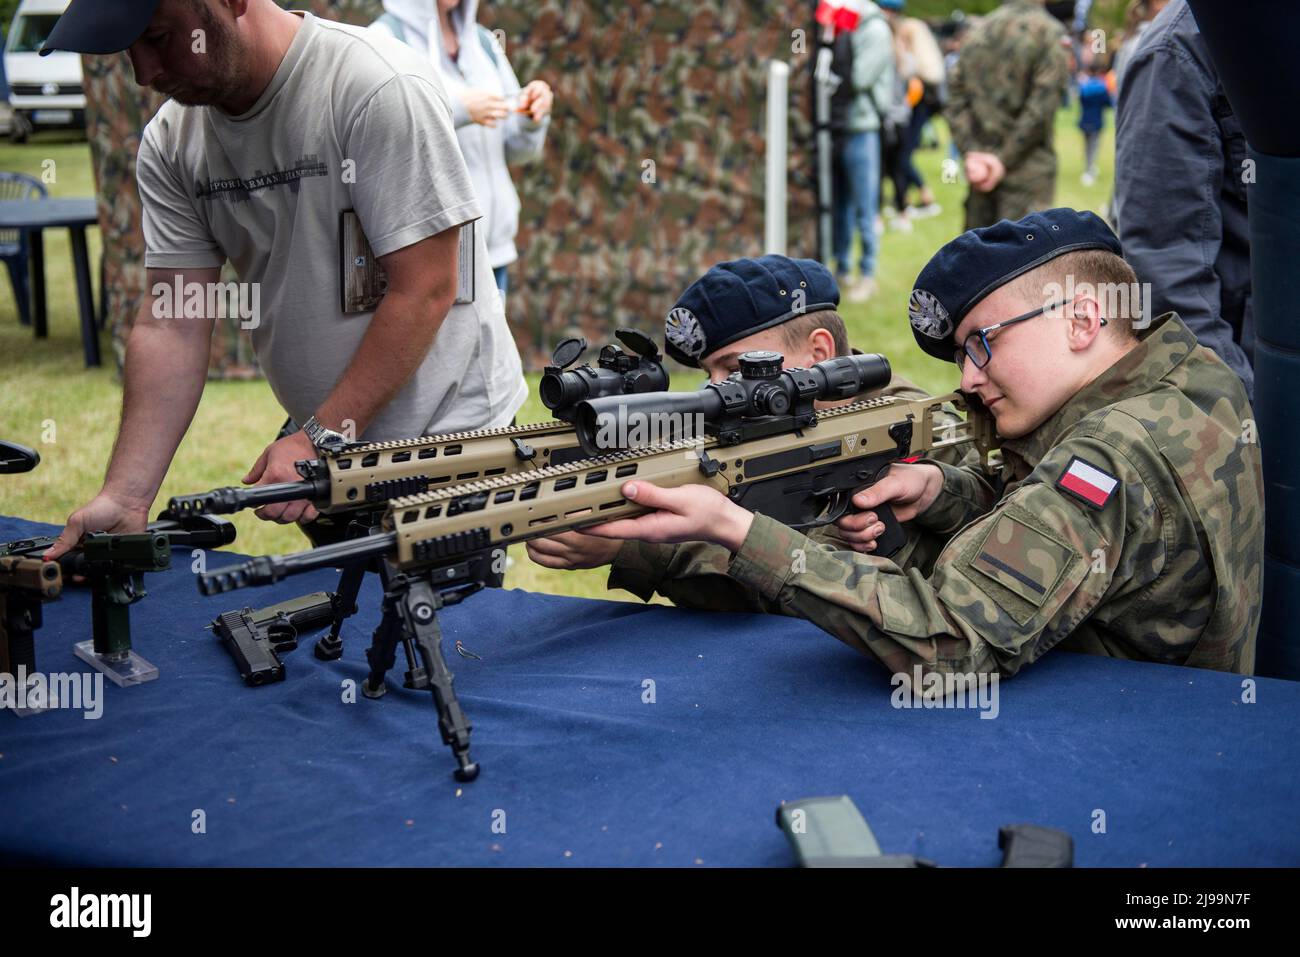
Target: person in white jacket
496,121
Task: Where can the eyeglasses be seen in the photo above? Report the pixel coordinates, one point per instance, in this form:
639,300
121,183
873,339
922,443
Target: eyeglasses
976,346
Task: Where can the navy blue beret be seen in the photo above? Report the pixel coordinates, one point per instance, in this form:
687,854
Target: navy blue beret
980,260
739,298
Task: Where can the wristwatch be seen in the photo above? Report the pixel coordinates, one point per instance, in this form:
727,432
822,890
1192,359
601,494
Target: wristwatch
323,437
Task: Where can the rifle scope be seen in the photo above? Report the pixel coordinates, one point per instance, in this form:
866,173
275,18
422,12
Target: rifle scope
762,398
637,370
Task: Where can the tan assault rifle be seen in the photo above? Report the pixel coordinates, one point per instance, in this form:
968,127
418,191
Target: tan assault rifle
763,444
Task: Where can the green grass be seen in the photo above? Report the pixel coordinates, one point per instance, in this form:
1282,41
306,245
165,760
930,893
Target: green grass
45,383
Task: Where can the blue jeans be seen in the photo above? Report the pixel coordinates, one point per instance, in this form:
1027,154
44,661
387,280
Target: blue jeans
856,198
499,274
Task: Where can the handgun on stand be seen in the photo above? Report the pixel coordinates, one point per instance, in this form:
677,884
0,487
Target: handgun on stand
113,566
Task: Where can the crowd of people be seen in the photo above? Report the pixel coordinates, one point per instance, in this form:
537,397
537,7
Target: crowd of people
999,81
891,81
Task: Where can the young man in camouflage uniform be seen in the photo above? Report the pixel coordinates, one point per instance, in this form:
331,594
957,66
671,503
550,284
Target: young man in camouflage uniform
773,303
1003,97
1128,520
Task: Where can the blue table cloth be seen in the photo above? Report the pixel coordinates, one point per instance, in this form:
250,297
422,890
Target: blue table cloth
619,734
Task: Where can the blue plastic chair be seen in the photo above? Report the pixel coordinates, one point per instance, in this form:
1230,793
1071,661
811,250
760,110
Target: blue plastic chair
13,242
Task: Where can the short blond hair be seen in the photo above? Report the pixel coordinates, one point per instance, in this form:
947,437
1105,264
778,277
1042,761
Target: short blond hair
1101,270
798,329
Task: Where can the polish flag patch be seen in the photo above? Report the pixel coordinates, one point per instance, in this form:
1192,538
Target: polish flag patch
1087,483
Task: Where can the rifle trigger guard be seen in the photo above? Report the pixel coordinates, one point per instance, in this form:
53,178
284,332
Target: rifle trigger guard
839,505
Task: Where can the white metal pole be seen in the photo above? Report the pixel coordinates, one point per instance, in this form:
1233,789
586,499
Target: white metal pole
778,100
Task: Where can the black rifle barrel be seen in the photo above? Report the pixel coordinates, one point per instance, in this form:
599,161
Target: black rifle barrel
224,501
194,531
271,568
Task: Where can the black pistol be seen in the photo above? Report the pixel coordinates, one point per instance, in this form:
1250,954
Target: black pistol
256,639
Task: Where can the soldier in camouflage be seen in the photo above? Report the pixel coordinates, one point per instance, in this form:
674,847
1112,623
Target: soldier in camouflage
1003,97
1128,520
773,303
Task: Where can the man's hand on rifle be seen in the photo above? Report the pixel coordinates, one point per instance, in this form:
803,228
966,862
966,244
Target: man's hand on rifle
570,550
106,512
276,464
692,513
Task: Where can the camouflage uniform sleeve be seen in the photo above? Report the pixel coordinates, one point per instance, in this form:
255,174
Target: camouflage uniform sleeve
966,495
1005,590
690,575
695,574
959,111
1050,76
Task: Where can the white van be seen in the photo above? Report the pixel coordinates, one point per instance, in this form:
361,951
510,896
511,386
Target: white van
45,92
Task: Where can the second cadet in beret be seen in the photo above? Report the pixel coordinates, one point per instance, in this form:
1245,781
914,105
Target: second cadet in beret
738,298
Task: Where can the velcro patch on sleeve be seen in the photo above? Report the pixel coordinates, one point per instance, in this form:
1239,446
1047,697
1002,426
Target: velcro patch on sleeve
1022,559
1086,482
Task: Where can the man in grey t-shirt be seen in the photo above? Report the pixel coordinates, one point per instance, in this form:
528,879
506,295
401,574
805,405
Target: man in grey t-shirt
301,150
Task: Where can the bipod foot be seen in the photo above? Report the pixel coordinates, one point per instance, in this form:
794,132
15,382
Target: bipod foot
328,648
468,769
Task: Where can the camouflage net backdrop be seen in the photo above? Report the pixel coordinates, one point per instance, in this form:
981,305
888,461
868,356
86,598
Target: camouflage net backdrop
653,168
654,161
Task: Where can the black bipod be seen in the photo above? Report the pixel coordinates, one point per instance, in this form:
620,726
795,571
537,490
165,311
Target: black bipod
411,604
330,647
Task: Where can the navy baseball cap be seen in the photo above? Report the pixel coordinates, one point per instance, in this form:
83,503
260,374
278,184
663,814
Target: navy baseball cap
738,298
100,26
978,261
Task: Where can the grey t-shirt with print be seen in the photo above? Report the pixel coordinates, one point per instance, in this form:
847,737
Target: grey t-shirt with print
351,121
